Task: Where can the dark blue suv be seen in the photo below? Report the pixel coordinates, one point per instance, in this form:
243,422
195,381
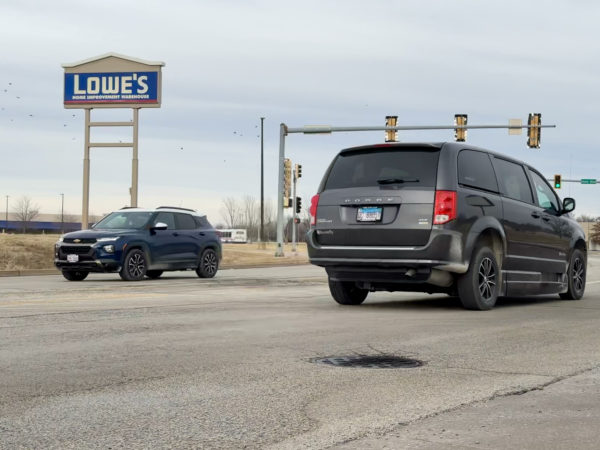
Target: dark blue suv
139,242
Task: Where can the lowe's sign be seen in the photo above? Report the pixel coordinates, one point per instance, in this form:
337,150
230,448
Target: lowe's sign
115,87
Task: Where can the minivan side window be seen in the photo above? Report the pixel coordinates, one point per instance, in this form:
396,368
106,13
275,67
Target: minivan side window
475,170
545,197
513,180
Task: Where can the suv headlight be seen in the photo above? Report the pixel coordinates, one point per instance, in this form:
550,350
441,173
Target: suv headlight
107,239
60,239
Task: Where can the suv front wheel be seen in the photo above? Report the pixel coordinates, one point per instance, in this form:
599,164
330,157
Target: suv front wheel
478,288
346,292
209,264
134,266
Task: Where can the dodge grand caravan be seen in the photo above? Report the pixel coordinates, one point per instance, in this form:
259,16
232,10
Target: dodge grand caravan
444,217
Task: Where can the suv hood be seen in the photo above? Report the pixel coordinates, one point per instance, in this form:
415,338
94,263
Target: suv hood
95,234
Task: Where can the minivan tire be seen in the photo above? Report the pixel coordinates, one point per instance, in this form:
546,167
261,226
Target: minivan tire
575,277
75,275
478,288
134,266
346,292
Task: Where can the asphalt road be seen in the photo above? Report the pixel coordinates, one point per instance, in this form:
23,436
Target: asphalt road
182,362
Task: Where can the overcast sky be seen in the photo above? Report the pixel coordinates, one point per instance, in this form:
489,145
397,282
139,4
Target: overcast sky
312,62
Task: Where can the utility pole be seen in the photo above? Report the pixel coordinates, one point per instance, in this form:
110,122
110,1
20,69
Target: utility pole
261,232
62,213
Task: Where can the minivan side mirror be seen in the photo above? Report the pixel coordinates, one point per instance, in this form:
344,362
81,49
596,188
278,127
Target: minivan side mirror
568,205
159,226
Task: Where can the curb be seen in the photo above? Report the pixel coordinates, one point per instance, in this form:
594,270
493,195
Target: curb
39,272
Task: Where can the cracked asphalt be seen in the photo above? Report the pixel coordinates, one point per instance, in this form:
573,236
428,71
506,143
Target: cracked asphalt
181,362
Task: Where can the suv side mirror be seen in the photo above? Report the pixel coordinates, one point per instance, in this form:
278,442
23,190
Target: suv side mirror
159,226
568,205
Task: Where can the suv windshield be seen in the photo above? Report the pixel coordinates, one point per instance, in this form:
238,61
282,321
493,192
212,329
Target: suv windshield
122,220
384,167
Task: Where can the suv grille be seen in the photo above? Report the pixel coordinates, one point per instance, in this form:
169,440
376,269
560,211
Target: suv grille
74,250
80,241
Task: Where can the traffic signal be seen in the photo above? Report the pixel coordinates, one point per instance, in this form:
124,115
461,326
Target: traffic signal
460,134
298,205
391,135
298,170
287,177
557,181
534,132
287,202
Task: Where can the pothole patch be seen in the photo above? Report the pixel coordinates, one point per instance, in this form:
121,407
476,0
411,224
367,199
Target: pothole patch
370,361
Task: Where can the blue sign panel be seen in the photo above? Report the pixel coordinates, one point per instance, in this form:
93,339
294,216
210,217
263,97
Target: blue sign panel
118,87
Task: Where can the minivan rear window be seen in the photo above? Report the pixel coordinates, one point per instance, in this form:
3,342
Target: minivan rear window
384,166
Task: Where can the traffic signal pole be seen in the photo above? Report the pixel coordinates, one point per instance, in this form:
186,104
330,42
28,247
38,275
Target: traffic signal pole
284,130
294,202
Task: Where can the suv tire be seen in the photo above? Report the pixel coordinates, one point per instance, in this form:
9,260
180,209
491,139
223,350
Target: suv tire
209,264
134,266
478,288
75,275
575,277
346,292
154,274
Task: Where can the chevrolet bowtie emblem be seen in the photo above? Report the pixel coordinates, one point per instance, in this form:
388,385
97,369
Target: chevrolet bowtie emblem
77,241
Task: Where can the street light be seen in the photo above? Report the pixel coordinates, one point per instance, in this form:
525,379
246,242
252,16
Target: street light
261,237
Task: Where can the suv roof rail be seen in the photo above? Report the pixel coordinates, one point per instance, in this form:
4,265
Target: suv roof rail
130,207
176,207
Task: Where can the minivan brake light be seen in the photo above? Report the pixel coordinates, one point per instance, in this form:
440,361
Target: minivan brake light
445,207
314,202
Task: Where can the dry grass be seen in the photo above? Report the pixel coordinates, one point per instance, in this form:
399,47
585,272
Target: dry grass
25,251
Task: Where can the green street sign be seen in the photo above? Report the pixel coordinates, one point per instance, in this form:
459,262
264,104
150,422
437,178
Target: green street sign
588,181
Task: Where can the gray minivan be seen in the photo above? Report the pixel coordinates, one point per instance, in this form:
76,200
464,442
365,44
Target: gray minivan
443,217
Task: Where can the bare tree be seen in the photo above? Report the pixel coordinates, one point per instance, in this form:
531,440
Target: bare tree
251,212
595,233
25,211
586,218
230,212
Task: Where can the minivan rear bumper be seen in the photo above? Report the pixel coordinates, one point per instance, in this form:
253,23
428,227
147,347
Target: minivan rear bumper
444,251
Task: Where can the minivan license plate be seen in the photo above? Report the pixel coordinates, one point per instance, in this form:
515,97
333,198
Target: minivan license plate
73,258
369,214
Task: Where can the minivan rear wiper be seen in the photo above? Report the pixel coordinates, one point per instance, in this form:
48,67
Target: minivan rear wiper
397,180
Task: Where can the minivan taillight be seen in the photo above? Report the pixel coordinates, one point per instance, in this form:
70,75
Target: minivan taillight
314,202
445,207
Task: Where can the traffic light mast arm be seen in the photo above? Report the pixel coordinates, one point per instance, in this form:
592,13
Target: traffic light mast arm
317,129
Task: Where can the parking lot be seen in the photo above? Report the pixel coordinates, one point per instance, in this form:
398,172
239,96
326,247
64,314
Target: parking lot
230,362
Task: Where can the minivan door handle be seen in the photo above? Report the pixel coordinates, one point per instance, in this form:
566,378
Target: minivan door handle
546,218
535,215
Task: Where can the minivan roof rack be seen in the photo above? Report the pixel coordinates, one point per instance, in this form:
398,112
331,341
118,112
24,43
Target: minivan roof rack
176,207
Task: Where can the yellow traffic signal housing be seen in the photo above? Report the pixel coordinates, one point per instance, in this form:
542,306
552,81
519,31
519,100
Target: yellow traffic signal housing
391,135
287,177
298,170
557,181
460,134
534,132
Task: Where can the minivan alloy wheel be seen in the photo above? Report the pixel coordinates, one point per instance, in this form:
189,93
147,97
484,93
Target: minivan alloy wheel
578,274
487,278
